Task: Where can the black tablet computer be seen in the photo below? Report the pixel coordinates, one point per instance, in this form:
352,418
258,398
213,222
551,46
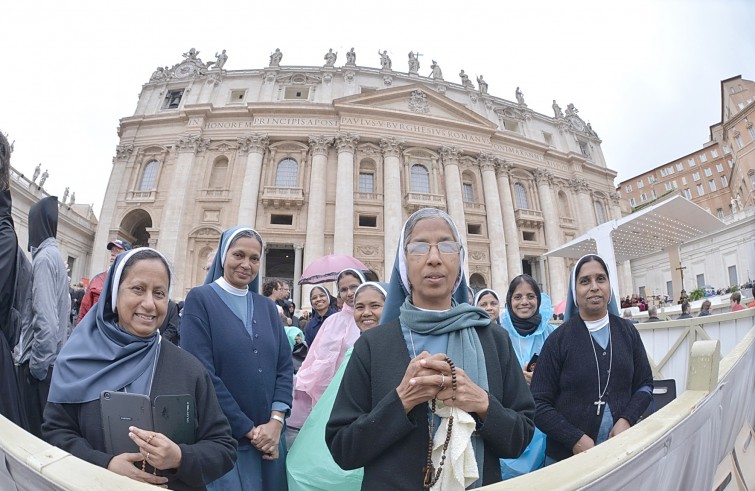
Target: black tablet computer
119,411
175,417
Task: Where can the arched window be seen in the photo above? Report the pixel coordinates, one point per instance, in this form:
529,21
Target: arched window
600,212
149,176
219,173
286,173
420,179
520,195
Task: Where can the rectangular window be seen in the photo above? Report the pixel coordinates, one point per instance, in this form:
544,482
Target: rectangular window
651,179
467,192
281,219
731,163
237,96
511,125
696,176
687,193
675,185
727,149
366,182
528,236
369,221
668,186
633,202
752,182
643,197
725,182
679,166
720,167
474,229
640,184
664,172
738,139
670,170
703,157
628,188
585,149
294,93
741,105
684,180
652,192
700,190
712,185
173,99
720,213
751,129
714,153
708,172
691,162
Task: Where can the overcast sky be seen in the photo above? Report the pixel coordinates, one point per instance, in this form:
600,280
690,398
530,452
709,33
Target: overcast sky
646,75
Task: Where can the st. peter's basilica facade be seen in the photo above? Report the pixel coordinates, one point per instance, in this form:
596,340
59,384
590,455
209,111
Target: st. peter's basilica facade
332,159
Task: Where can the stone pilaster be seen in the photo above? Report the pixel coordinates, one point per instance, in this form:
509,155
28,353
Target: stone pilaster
498,267
454,198
343,238
102,237
393,216
298,256
511,232
556,269
581,192
315,238
254,145
187,146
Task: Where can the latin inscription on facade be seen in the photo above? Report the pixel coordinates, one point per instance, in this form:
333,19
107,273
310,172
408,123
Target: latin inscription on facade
415,128
509,150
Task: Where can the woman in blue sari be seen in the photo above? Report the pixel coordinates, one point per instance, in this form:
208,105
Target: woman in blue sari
238,336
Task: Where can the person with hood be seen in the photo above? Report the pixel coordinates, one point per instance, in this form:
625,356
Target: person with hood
238,336
582,400
434,363
15,295
95,284
41,341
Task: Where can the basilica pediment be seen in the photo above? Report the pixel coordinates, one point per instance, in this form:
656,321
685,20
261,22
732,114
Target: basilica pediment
412,101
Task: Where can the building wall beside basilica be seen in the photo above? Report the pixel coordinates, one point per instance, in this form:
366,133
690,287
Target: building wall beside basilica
331,160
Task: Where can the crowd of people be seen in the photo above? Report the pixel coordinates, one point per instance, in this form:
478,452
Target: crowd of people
411,384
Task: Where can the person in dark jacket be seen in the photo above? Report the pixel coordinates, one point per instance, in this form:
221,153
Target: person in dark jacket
686,311
42,340
169,327
15,277
118,348
653,314
322,308
584,400
399,373
704,309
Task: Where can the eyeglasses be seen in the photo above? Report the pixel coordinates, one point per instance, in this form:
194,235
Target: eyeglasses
423,248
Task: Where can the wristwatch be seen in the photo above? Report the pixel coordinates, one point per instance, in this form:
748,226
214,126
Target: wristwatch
278,419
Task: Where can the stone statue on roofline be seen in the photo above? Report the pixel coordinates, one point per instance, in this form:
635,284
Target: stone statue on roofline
385,60
465,80
436,74
276,57
351,57
220,59
413,62
557,113
519,96
37,170
482,84
44,177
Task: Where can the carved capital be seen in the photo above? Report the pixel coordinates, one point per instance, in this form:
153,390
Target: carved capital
123,152
449,155
319,144
543,176
192,143
391,147
487,162
254,143
346,142
578,184
503,168
615,197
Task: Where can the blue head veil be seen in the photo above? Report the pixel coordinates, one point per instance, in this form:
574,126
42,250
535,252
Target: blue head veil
226,238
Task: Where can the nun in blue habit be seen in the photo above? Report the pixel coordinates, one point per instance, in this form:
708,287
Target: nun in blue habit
238,336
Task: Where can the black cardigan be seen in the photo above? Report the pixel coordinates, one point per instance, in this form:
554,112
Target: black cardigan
565,383
369,428
77,428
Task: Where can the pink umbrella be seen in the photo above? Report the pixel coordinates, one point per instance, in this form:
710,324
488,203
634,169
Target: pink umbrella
327,268
560,307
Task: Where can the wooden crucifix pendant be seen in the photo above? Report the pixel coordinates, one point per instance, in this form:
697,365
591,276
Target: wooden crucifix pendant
599,403
429,471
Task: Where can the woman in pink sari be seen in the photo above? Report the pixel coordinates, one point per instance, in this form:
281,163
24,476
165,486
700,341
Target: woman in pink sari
336,336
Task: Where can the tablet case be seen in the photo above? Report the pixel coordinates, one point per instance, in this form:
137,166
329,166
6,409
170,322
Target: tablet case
172,415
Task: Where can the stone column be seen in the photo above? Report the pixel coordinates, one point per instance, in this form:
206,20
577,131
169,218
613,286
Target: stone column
511,232
102,237
315,238
188,146
615,208
584,206
254,145
556,270
454,198
393,215
298,250
343,238
496,235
